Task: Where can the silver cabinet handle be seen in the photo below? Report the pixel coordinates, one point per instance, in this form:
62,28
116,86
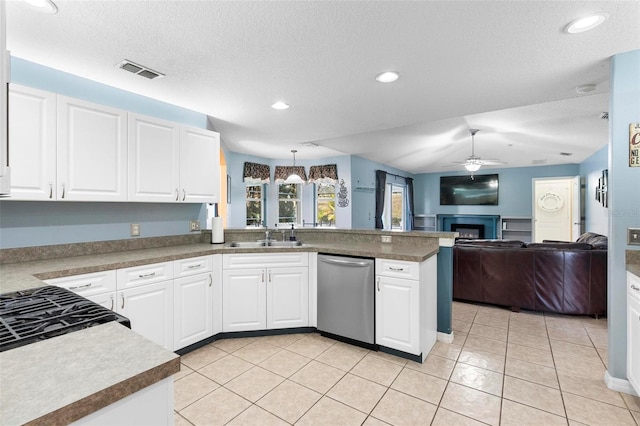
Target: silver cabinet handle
633,287
50,190
63,190
391,268
177,194
194,266
184,194
269,276
111,302
342,262
378,283
263,276
122,307
210,280
150,274
80,286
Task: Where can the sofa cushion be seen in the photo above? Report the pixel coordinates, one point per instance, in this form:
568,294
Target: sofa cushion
559,246
596,240
492,243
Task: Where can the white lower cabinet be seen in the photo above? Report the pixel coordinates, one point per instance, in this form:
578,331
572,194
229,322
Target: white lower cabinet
633,331
406,305
193,311
150,310
287,297
265,297
398,314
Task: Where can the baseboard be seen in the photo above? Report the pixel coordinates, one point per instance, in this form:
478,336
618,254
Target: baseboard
445,338
619,385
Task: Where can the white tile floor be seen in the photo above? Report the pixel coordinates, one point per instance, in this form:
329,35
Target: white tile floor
503,368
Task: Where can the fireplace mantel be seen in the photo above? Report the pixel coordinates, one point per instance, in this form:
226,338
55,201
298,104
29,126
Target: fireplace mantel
490,222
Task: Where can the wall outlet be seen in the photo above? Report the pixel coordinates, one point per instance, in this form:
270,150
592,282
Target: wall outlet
633,236
194,225
386,238
135,229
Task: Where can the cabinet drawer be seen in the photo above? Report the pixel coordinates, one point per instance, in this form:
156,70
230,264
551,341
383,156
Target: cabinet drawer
87,284
264,260
144,274
192,266
397,268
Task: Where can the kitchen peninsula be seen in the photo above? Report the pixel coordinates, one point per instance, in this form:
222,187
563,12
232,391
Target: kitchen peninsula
62,400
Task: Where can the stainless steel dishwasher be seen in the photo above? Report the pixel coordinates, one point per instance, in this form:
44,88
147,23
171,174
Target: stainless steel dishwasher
346,298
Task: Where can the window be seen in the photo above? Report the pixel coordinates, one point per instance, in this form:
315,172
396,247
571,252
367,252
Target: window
325,204
255,205
394,207
289,203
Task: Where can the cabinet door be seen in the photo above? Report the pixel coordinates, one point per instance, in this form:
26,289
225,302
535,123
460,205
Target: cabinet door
193,309
92,152
633,341
199,166
397,314
287,297
154,159
244,300
150,309
108,300
32,143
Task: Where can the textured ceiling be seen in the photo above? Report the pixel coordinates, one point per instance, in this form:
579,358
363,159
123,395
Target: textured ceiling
505,67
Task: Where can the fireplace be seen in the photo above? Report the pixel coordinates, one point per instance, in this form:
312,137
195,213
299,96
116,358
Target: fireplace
468,230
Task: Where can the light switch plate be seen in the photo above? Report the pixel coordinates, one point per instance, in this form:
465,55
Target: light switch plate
135,229
633,236
194,225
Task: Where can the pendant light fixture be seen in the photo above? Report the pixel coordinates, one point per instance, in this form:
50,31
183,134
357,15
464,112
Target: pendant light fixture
294,177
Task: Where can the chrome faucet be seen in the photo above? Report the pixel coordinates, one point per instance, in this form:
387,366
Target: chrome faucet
267,234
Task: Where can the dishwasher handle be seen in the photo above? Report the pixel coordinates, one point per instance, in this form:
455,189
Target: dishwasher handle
342,262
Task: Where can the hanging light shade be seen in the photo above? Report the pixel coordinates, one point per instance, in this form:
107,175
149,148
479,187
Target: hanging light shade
293,177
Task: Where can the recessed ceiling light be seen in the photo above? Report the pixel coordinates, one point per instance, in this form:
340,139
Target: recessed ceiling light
44,6
585,88
585,24
387,77
280,105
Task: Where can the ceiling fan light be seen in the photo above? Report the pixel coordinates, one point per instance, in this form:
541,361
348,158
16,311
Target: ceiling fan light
472,167
280,105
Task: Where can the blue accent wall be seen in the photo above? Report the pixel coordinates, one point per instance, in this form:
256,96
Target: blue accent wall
624,201
34,223
515,196
363,183
595,214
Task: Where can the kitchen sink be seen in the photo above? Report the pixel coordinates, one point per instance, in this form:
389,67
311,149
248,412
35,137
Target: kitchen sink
265,243
248,244
285,243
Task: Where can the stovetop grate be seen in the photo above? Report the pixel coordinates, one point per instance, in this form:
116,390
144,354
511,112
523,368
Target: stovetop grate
36,314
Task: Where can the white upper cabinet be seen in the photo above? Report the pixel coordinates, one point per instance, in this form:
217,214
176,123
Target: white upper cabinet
154,165
92,151
199,166
32,143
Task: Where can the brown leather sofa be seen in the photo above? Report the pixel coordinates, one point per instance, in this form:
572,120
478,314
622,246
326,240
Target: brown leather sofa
553,276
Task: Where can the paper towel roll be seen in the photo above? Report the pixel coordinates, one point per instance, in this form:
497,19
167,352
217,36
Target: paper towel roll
217,231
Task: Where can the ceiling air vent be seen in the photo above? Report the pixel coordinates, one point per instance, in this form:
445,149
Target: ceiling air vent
604,115
139,69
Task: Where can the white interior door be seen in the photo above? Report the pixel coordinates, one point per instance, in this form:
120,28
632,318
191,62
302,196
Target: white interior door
556,209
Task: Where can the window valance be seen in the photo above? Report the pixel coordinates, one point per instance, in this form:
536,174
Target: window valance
257,173
283,172
324,174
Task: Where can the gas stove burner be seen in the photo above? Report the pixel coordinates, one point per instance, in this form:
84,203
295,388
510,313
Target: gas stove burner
36,314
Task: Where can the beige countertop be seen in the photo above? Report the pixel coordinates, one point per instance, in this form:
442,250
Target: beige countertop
46,382
60,380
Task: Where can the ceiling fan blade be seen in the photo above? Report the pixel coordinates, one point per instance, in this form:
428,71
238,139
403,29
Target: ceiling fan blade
492,162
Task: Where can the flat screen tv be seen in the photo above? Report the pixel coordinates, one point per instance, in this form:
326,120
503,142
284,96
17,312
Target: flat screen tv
481,190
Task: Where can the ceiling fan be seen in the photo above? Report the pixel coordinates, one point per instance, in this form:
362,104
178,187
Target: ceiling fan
473,162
